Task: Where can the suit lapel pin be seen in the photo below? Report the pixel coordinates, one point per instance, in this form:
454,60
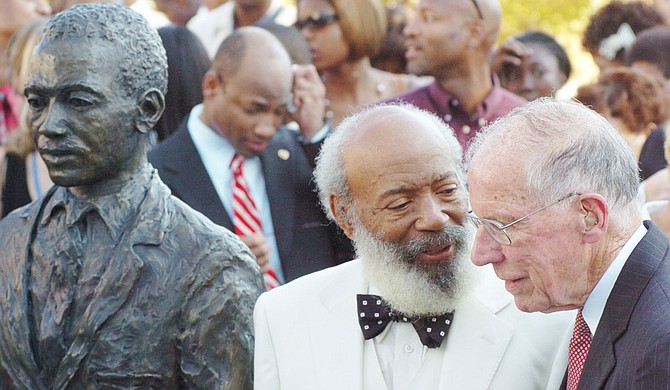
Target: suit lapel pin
283,154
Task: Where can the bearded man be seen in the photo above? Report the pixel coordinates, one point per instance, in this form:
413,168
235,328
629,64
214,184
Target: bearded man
411,312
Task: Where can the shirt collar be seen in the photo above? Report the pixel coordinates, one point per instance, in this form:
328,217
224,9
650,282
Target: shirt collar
114,209
595,303
209,143
448,103
380,337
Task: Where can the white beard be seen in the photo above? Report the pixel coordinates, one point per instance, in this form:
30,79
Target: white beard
409,288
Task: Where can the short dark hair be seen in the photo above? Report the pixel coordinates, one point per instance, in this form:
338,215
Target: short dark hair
143,62
188,62
550,44
653,46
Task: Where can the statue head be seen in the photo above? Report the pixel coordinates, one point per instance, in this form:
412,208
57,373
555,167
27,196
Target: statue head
96,87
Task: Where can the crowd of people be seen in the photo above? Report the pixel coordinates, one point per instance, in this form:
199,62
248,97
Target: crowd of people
331,194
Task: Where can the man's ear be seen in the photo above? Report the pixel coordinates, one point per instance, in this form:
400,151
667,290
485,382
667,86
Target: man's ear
151,104
477,33
210,82
595,216
341,214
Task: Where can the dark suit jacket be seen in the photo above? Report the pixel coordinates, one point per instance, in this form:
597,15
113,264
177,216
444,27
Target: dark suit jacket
631,347
305,240
172,310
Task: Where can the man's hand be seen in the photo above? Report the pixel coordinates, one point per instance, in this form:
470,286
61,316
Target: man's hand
259,247
309,94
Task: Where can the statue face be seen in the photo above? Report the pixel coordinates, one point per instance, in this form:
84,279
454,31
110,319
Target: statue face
83,122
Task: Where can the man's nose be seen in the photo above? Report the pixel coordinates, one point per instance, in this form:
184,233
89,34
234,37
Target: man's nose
267,127
527,81
485,249
410,29
432,215
53,124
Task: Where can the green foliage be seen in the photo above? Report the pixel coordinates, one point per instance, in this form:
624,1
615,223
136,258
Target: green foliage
561,18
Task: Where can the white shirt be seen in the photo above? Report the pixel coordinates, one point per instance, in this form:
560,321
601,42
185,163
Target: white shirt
214,26
400,355
216,154
595,303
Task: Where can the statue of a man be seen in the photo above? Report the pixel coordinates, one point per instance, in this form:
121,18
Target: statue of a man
108,281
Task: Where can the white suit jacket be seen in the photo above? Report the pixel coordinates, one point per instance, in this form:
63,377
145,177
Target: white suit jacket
308,337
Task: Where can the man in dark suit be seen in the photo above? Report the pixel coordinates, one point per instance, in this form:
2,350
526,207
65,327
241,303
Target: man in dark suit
108,281
553,190
243,109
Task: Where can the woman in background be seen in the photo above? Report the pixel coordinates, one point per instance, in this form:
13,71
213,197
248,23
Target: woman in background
342,36
613,29
532,65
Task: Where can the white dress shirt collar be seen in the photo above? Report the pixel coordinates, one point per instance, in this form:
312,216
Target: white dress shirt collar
595,303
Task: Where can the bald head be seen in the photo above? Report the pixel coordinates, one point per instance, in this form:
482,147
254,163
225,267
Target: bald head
492,15
249,46
377,138
397,131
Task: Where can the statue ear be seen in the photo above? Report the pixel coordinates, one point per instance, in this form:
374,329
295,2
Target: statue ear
151,105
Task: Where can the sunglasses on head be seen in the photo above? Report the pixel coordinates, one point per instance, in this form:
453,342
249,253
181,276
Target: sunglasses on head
315,21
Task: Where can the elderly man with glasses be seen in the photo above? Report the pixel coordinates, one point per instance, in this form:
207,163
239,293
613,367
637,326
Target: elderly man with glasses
580,242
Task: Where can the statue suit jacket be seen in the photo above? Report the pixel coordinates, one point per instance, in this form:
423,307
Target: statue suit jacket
172,310
308,338
631,347
306,241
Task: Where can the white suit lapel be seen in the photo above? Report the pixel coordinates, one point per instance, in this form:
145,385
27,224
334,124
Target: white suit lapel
343,364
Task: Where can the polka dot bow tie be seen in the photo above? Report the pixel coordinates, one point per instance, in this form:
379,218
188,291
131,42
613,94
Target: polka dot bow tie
374,315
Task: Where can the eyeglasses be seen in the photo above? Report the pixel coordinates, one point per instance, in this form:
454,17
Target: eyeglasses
315,21
479,10
498,231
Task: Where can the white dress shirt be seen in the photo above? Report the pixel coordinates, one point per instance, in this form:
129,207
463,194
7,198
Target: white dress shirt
595,303
400,355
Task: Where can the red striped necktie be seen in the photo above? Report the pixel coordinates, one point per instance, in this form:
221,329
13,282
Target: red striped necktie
246,219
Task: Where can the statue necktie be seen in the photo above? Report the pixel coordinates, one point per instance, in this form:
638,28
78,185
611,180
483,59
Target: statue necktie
246,219
374,315
577,351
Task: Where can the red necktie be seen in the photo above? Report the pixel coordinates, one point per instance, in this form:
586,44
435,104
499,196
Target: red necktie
246,220
577,351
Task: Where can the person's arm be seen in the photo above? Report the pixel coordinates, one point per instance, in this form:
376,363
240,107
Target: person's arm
309,94
217,341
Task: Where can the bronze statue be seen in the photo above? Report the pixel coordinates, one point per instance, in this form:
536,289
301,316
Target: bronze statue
108,281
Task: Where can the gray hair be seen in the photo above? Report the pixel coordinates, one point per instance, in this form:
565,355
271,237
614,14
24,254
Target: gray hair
568,148
143,62
330,173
